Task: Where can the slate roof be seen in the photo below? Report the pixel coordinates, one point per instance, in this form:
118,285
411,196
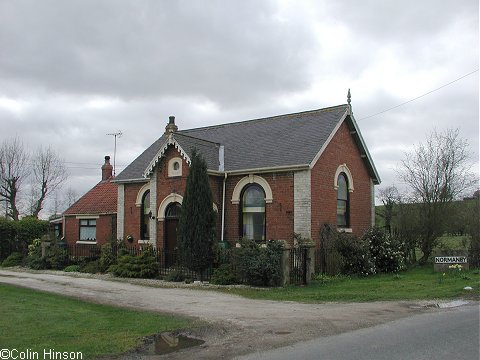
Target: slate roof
284,140
101,199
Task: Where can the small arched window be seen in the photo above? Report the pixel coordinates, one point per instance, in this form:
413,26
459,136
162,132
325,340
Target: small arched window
174,210
253,213
343,204
175,167
145,216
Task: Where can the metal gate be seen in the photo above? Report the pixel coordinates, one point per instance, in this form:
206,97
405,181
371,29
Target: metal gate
298,266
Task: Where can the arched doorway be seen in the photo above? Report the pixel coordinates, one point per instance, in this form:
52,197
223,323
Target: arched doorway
172,216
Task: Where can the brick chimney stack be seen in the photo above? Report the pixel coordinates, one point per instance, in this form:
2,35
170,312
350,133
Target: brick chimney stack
171,127
107,169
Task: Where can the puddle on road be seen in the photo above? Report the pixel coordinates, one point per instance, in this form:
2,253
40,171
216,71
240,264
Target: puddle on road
166,343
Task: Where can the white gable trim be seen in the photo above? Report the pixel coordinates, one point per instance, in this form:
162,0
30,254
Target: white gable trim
330,137
377,179
156,159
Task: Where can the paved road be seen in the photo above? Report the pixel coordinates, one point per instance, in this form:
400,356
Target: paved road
237,325
441,336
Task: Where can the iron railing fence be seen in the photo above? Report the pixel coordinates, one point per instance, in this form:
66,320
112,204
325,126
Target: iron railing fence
328,261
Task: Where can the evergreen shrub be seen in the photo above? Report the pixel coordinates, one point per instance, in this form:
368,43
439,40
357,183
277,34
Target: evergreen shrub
72,268
224,275
143,266
107,257
257,265
14,259
175,276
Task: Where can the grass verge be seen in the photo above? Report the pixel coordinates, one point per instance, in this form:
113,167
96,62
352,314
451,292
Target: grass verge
420,283
36,321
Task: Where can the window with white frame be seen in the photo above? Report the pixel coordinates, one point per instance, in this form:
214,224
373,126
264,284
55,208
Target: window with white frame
343,203
145,215
175,167
253,212
88,230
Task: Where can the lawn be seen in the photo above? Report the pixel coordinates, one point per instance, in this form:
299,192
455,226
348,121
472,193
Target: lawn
420,283
37,321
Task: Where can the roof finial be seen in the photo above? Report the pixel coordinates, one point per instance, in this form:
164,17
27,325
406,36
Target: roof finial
349,97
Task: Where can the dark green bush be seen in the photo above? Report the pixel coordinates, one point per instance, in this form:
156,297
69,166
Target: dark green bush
56,256
15,259
91,267
175,276
257,265
140,266
15,236
356,255
107,257
224,275
7,237
72,268
35,260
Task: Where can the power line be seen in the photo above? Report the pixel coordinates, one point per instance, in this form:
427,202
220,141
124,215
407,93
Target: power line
418,97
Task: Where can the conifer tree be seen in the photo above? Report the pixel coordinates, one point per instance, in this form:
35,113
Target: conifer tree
197,221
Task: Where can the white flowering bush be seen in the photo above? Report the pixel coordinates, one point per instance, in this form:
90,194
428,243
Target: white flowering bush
385,251
356,255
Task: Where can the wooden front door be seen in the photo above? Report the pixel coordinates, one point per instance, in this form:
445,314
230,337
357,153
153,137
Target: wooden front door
172,216
171,226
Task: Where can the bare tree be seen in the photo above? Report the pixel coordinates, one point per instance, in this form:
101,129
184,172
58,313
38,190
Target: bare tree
48,174
389,197
437,172
70,197
14,170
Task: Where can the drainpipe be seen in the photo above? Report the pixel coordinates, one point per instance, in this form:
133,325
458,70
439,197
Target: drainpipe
223,207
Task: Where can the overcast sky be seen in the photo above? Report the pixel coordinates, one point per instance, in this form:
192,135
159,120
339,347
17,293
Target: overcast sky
73,71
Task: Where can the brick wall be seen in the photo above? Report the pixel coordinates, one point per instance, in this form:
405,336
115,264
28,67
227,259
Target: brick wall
279,213
131,212
341,150
105,227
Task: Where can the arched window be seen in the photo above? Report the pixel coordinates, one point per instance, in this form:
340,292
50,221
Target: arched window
145,216
174,210
343,204
253,212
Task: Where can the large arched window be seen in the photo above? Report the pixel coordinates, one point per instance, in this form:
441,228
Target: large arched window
343,203
253,212
145,216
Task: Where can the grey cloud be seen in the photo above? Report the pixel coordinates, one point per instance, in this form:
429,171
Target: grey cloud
135,49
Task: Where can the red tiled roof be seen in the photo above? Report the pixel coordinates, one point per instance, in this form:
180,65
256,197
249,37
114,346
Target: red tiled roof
101,199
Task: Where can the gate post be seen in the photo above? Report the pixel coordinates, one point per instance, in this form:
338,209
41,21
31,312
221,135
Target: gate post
310,262
285,264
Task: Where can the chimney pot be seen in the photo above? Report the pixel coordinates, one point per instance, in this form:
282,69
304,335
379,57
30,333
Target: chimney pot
107,169
171,127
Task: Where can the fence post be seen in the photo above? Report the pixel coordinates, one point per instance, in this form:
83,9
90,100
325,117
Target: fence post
310,260
285,263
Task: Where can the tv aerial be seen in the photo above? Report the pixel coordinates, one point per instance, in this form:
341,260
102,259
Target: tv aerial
115,135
